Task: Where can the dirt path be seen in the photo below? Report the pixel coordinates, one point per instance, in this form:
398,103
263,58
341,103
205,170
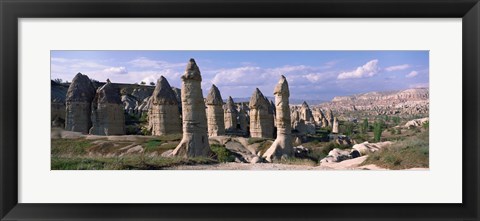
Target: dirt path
345,165
352,164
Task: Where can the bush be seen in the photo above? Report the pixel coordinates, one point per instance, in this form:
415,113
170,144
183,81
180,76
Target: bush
223,154
425,125
348,128
364,128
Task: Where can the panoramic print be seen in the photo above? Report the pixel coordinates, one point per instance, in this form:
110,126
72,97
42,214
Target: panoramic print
239,110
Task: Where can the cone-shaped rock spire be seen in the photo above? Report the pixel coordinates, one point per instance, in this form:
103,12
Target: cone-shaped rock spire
163,112
214,97
231,115
261,118
306,113
79,98
107,111
163,93
215,116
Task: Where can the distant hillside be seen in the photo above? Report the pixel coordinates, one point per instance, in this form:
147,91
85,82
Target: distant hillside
410,101
293,101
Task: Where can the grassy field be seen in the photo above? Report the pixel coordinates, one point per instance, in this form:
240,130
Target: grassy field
410,149
76,154
411,152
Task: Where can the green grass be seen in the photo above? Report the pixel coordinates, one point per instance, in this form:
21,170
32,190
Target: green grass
152,145
408,153
170,137
69,146
263,147
134,162
253,140
223,154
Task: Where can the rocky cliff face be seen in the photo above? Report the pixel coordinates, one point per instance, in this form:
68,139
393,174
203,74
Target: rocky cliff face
405,102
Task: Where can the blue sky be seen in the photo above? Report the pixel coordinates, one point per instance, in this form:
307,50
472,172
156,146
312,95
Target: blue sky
311,75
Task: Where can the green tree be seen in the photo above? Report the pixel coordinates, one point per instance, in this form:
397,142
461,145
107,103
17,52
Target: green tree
396,120
348,128
364,126
378,127
151,83
142,83
387,118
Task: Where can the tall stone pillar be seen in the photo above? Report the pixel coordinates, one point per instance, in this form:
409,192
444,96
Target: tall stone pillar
261,120
243,119
335,126
282,146
164,116
231,115
108,117
79,98
215,119
195,139
306,112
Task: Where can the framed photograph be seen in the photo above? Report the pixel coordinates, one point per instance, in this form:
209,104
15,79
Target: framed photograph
310,110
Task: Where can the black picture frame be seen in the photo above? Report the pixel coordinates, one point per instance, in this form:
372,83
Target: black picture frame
12,10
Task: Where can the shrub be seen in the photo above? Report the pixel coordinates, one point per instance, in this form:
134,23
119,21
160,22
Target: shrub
222,153
425,125
377,130
364,127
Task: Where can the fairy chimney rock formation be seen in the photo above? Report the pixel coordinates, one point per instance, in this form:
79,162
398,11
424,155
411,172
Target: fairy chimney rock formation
79,98
261,119
164,116
282,146
231,115
195,139
329,117
335,126
215,119
243,119
107,111
306,112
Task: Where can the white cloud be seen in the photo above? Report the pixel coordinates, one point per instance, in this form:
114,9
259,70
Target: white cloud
144,62
241,76
115,70
367,70
411,74
397,67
